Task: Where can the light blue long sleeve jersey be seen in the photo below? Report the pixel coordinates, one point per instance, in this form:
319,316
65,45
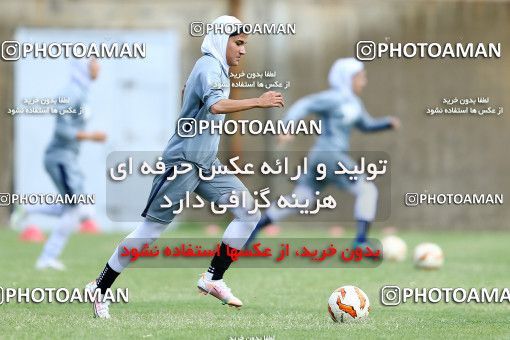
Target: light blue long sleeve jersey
61,157
339,115
64,146
206,85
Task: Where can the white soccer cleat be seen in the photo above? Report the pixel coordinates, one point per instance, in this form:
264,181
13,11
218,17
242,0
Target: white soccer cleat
55,264
218,289
101,309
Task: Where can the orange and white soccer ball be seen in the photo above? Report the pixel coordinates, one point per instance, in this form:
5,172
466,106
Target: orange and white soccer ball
428,256
394,248
348,303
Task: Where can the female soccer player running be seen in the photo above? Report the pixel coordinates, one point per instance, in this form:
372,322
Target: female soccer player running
340,109
205,98
61,163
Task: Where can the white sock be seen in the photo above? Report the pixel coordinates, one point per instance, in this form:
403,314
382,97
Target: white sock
68,222
147,232
365,205
243,224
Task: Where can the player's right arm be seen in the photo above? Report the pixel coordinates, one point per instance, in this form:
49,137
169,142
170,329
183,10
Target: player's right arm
210,89
64,129
95,136
367,123
266,100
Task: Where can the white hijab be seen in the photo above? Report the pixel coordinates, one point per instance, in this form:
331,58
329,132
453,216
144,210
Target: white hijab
216,44
80,73
341,73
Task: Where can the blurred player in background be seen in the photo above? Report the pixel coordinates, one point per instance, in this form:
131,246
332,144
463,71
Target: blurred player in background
340,109
205,97
61,163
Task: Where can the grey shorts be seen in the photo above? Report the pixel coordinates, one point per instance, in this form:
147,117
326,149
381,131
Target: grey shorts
176,189
66,175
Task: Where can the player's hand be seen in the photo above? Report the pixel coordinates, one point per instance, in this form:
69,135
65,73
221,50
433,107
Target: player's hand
98,136
284,139
395,123
271,99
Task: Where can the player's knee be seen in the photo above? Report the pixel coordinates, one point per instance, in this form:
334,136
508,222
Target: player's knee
368,189
246,212
249,216
148,230
256,216
372,189
155,233
304,193
253,220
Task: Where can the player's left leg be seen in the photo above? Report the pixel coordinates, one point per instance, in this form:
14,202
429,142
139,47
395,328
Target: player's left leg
157,218
219,190
68,179
303,191
365,207
365,192
68,222
146,233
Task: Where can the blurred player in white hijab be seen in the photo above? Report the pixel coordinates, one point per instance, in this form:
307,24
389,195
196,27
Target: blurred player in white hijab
341,110
61,163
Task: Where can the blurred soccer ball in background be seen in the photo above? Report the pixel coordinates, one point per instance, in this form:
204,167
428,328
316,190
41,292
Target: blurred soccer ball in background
428,256
394,248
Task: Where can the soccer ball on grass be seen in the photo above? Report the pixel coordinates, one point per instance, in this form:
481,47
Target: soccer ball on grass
348,303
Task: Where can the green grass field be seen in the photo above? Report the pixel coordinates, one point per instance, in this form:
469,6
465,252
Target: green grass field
285,303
